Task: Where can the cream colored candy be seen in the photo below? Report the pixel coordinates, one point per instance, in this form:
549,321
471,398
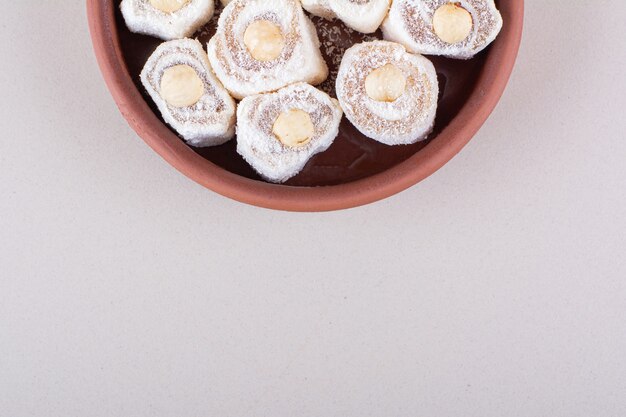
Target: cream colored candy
261,46
264,40
168,6
452,23
181,86
386,83
294,128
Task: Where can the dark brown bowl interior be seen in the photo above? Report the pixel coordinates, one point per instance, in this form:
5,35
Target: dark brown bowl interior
354,170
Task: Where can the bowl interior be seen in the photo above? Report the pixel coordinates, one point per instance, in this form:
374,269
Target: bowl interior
352,156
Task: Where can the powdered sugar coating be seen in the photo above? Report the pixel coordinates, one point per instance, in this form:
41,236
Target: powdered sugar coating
263,151
209,122
409,22
408,119
362,15
142,17
242,75
319,8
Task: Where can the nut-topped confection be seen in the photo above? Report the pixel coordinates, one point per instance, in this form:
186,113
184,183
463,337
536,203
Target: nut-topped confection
458,29
361,15
319,8
278,133
191,99
167,19
263,45
388,94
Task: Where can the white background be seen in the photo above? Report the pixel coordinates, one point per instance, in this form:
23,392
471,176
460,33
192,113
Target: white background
497,287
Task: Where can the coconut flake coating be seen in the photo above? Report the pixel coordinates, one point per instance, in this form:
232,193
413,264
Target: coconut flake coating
258,145
362,15
408,119
319,8
410,22
209,122
300,59
142,17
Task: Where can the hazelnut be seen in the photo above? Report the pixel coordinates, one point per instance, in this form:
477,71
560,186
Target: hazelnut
294,128
181,86
386,83
452,23
264,40
168,6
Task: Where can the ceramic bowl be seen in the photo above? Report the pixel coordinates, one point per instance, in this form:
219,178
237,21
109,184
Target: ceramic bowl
355,170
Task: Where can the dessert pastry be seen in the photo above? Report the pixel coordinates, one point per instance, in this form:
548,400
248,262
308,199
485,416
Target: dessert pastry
167,19
387,93
458,29
361,15
191,99
278,133
263,45
319,8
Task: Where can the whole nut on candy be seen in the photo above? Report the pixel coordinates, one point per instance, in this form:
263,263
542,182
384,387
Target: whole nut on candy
168,6
452,23
386,83
264,40
181,86
294,128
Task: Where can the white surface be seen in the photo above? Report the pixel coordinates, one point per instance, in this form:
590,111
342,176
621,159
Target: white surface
495,288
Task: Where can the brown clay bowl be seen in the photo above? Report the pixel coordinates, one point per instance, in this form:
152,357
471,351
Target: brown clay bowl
355,170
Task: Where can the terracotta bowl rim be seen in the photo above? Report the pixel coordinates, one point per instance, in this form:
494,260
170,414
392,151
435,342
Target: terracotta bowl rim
487,92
